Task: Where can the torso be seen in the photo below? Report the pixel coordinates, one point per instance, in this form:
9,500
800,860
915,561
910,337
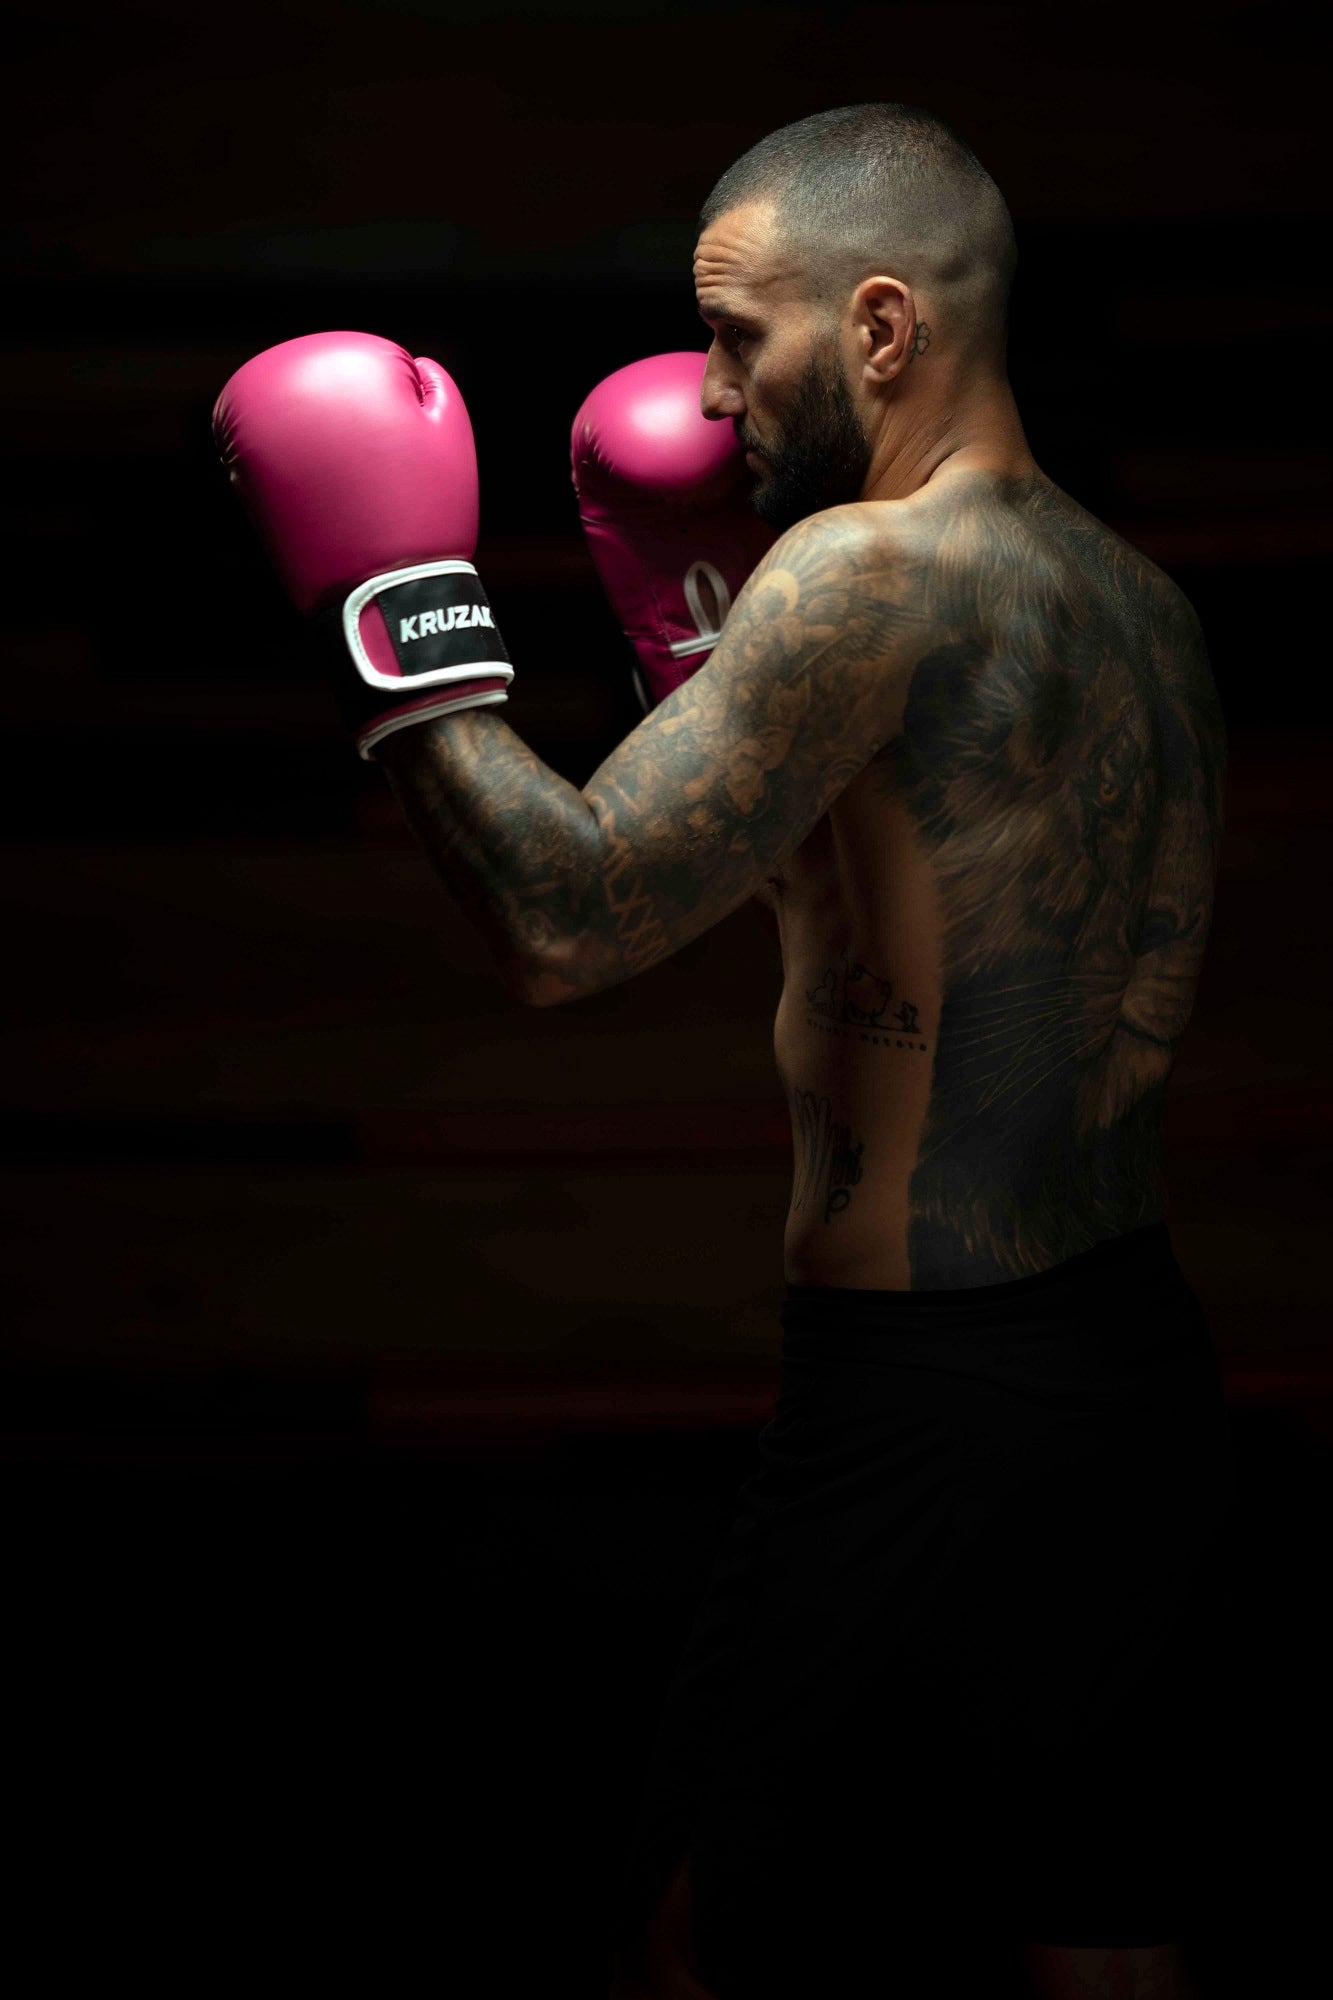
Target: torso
991,941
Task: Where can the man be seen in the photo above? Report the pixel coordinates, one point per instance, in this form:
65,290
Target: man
964,743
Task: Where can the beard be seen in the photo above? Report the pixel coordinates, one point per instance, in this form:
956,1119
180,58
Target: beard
820,456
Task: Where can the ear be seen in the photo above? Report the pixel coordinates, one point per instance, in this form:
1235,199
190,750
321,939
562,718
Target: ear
885,316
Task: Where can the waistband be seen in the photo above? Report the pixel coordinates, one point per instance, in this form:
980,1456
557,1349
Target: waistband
1139,1263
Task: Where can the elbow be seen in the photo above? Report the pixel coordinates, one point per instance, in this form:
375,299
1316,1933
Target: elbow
548,981
544,990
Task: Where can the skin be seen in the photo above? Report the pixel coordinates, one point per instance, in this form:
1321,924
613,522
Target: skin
964,744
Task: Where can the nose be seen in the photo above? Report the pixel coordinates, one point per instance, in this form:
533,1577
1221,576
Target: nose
720,396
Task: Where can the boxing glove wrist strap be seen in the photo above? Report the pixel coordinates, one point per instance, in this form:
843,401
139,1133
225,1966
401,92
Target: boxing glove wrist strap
423,641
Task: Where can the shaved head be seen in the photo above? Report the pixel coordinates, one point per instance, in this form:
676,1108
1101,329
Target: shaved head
885,188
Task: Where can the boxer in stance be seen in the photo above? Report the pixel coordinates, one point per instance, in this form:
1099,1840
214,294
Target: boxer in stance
963,743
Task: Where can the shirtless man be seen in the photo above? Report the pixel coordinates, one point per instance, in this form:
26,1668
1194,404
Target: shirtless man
964,743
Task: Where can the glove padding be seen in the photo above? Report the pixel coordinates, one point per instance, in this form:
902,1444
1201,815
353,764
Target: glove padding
664,500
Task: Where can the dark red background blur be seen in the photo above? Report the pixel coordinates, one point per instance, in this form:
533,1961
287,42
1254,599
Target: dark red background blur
380,1358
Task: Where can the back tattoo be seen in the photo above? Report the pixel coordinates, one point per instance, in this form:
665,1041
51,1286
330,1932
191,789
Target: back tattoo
1063,760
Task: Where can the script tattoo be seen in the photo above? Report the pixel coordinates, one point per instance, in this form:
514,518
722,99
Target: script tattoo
852,1000
828,1163
920,340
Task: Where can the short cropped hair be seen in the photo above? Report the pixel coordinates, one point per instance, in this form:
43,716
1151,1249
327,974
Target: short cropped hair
887,187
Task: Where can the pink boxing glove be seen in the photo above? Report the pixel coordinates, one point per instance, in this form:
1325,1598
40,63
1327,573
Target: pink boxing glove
356,465
664,502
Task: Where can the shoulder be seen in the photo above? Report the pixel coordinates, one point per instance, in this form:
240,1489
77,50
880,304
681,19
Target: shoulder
835,620
965,528
867,554
865,531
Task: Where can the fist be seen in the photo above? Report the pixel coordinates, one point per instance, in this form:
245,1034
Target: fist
356,465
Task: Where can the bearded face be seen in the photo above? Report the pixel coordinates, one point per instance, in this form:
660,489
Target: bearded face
819,455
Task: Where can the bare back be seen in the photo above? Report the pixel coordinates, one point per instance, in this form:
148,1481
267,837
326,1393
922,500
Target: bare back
992,939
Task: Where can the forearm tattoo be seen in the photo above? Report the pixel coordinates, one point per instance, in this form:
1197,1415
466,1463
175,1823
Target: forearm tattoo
512,839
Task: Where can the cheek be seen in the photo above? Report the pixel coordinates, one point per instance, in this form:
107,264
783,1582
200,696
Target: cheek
764,399
772,383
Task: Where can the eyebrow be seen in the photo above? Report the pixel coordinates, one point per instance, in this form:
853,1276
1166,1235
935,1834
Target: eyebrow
723,312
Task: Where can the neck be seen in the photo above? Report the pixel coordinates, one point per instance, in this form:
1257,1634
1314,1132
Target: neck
971,427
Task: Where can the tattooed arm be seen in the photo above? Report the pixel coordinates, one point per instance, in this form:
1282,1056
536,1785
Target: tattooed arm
575,891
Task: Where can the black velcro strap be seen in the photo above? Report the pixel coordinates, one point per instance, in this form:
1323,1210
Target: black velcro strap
440,621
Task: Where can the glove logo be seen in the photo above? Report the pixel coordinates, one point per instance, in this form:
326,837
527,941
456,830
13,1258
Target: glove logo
451,618
429,624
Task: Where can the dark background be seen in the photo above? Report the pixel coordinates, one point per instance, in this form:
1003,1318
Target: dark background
380,1358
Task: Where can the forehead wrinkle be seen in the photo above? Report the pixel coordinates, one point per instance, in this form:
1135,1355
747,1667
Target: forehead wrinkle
719,272
717,306
725,291
738,251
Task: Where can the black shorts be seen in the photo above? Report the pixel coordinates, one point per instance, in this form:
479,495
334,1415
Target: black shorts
961,1660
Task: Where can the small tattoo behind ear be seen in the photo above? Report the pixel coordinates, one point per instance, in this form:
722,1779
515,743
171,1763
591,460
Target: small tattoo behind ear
921,339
